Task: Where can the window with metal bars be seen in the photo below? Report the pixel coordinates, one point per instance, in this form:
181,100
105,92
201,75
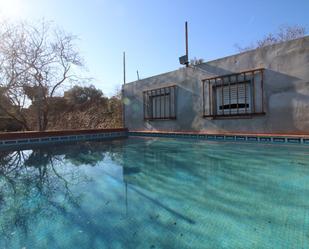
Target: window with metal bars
235,95
160,104
233,99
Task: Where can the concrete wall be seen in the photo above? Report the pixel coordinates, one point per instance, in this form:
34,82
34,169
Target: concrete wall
286,93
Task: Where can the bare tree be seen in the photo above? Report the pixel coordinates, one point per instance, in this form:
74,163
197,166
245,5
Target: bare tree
195,61
35,61
285,33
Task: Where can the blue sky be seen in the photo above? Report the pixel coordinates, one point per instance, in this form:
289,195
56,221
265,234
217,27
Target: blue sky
152,32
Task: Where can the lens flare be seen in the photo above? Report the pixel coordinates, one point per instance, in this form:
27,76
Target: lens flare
10,8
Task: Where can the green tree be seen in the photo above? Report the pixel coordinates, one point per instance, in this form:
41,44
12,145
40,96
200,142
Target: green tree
78,95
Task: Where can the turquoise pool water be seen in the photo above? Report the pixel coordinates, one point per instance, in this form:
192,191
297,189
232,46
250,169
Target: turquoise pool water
155,193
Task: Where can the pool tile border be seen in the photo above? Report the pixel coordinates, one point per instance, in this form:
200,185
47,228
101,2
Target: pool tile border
123,133
64,138
230,137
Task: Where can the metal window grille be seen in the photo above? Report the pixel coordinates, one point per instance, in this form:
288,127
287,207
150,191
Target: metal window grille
239,94
160,103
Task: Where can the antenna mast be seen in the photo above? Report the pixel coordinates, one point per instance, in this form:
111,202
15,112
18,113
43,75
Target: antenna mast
124,68
184,60
137,74
122,90
187,46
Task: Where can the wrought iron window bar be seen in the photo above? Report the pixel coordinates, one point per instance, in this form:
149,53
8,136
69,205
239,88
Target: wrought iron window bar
234,95
160,103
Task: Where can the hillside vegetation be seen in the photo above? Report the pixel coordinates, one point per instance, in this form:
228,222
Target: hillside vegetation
78,108
85,107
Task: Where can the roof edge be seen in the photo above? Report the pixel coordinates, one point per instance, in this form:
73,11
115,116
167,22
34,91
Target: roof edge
222,58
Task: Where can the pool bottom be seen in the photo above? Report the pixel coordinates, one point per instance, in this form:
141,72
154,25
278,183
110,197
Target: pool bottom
155,193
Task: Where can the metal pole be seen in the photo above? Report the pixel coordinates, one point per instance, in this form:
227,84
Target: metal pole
137,74
262,88
187,47
124,68
122,92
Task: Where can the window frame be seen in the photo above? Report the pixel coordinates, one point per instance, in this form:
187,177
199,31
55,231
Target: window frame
150,96
255,79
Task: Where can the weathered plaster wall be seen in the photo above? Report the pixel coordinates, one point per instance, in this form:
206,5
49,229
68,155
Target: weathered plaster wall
286,93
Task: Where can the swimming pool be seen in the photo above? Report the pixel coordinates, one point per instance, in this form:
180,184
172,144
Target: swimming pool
155,193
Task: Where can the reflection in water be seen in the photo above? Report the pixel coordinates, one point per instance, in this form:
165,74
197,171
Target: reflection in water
32,180
154,193
29,180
